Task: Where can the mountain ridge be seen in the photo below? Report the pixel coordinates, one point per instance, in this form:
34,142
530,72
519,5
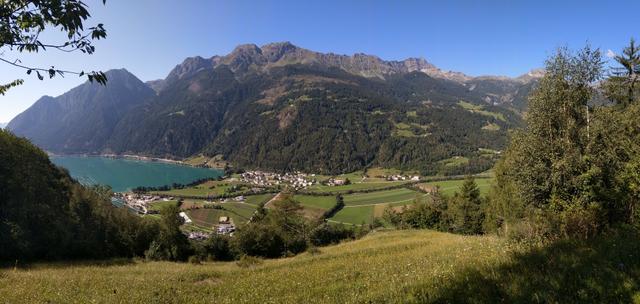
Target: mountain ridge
287,53
83,114
282,107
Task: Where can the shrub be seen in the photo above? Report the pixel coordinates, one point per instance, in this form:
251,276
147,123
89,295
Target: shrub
257,239
327,234
218,248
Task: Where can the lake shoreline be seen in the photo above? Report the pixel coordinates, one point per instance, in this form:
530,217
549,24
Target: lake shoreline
124,173
134,157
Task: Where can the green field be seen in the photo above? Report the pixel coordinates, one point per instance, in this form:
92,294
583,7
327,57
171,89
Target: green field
449,187
364,207
354,187
159,205
209,188
355,215
455,161
320,202
241,209
387,196
479,109
207,217
377,172
258,199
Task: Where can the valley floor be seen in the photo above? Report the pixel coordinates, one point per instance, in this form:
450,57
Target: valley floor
384,267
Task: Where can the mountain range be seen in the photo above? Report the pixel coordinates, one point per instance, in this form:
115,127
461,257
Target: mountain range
282,107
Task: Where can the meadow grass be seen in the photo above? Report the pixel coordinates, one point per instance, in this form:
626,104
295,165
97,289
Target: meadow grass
258,199
354,187
207,217
479,109
208,188
241,209
159,205
380,197
449,187
455,161
383,172
320,202
411,266
380,267
355,215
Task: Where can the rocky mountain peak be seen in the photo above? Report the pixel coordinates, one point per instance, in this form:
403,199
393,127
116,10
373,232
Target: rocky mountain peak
252,58
531,75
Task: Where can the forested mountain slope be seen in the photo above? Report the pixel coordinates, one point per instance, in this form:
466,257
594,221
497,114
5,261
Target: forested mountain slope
282,107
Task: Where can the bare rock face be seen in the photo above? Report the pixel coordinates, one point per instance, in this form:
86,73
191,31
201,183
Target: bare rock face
252,58
531,75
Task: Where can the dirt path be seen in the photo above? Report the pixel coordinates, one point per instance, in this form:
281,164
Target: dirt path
273,199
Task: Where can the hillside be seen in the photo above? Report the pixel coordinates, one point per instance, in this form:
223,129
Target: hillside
81,120
384,267
282,107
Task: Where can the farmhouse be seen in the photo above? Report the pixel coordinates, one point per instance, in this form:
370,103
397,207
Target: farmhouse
224,220
225,228
186,218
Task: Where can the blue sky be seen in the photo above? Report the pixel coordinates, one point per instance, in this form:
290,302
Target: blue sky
149,37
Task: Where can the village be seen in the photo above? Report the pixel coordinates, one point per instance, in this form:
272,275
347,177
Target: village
296,180
217,206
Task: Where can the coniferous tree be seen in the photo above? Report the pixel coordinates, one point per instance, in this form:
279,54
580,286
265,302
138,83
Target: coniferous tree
621,86
466,210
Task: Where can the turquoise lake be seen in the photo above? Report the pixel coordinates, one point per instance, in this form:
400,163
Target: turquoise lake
126,174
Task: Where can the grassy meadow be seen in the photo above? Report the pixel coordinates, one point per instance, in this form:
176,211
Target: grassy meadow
362,208
449,187
417,266
258,199
207,217
379,197
355,215
354,186
208,188
157,206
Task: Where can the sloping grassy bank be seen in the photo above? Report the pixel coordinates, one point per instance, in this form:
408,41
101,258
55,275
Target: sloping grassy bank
394,266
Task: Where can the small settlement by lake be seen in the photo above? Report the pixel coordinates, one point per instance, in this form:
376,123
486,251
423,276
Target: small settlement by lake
218,204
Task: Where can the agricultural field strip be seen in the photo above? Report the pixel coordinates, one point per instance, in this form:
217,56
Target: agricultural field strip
380,197
384,203
345,223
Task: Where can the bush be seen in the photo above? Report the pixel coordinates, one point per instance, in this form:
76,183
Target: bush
327,234
335,209
218,248
170,244
422,215
257,239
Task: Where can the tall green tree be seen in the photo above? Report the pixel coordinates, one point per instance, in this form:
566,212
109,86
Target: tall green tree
170,243
622,85
544,166
23,21
466,209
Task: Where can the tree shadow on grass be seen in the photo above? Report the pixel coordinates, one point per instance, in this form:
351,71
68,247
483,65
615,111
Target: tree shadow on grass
601,270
